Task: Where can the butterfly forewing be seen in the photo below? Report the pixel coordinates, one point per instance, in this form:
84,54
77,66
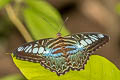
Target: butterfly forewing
89,42
63,53
32,51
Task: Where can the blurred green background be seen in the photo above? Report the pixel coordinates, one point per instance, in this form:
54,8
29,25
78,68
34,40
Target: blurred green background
84,16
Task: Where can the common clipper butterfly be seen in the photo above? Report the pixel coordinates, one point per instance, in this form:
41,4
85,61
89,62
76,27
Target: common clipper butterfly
62,54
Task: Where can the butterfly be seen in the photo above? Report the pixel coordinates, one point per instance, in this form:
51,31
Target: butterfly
62,54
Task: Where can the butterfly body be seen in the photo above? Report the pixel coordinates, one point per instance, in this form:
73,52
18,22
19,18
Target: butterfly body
62,53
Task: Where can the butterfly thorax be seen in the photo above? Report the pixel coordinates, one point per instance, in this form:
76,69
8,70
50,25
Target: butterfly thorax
61,46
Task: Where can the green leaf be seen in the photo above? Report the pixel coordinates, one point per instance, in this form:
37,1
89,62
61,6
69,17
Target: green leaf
97,68
42,19
13,77
117,8
3,3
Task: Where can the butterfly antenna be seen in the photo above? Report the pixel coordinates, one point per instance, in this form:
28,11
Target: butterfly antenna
59,34
49,23
63,24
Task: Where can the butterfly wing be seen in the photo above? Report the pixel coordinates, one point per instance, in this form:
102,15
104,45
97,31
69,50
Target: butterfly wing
62,54
31,51
41,51
85,44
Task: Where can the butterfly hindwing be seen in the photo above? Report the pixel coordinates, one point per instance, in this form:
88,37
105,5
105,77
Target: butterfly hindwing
58,65
63,53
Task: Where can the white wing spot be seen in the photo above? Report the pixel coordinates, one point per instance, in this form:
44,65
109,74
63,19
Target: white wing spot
85,37
28,48
83,43
77,36
88,41
79,46
41,49
35,45
46,52
20,48
100,35
35,50
42,42
93,38
37,42
72,37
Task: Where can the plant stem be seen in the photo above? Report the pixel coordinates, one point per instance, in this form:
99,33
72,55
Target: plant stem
18,24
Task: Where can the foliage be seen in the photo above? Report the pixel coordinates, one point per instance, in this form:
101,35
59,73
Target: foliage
42,19
3,3
13,77
117,8
97,68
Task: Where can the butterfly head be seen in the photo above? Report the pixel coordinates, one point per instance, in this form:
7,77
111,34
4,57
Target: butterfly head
58,34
